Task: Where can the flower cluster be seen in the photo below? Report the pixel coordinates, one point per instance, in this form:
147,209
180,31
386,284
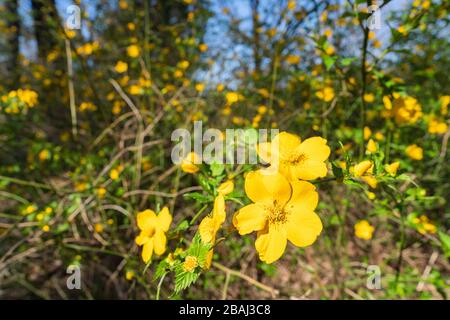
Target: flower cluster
283,206
18,101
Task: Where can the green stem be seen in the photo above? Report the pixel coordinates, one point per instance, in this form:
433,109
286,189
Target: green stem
158,290
198,214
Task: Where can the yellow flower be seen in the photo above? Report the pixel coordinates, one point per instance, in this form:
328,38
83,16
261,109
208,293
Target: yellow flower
367,133
296,159
211,224
262,109
364,230
371,181
226,187
98,227
402,30
437,127
184,64
136,90
231,97
87,106
190,263
30,209
203,47
329,50
123,4
326,94
44,155
129,275
264,92
291,5
220,87
133,51
189,163
292,59
101,192
407,110
153,232
121,67
114,174
414,152
379,136
361,168
371,195
281,211
200,87
424,225
46,228
392,168
328,33
445,101
369,97
371,146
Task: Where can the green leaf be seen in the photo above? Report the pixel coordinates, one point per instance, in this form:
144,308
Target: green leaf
217,169
329,61
184,279
161,269
347,61
445,240
337,171
183,225
201,198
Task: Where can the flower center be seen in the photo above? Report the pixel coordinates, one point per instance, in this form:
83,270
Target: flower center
295,158
277,214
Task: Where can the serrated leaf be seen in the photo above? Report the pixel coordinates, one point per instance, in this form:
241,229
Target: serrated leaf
161,269
184,279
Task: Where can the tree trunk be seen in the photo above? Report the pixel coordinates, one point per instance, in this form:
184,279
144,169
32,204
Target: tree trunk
45,18
14,25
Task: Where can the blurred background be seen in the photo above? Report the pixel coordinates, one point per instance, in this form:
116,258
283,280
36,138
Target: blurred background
90,92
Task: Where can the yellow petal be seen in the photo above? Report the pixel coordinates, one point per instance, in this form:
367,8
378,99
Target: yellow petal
309,170
142,238
303,227
271,245
146,219
362,167
315,149
226,187
219,213
304,197
264,151
159,241
147,251
371,181
250,218
208,260
207,229
284,143
264,186
392,168
164,220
